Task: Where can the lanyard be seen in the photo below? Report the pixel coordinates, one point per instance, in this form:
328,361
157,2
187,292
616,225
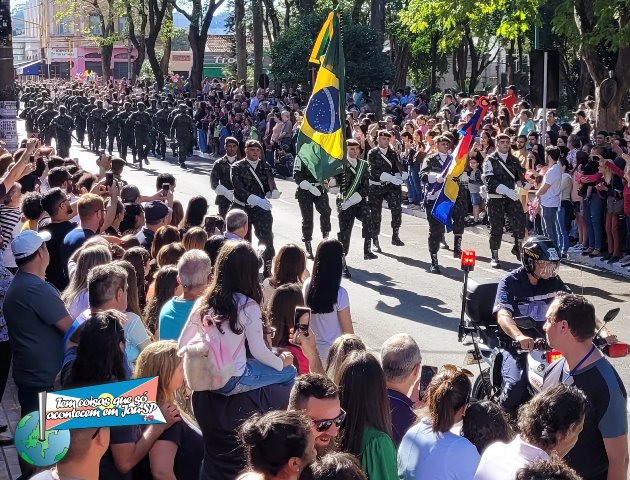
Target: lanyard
573,370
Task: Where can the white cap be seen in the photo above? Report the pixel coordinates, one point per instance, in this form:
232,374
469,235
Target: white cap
28,242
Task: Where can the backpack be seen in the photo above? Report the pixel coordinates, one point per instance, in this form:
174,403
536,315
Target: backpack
208,363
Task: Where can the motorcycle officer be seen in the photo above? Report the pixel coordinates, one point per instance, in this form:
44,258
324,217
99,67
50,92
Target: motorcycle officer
526,292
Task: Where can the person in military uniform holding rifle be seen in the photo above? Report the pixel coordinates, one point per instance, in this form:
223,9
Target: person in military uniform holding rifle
253,185
220,180
63,126
386,178
352,203
311,193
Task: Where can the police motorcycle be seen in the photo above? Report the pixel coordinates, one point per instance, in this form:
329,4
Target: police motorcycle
478,328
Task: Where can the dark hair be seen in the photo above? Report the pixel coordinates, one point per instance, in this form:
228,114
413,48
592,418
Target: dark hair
165,286
289,265
553,411
99,356
553,152
195,212
485,423
337,466
58,176
170,254
211,222
32,205
103,282
552,469
139,258
281,310
361,378
235,271
323,290
271,440
567,127
132,210
579,314
448,392
311,385
133,300
164,235
163,178
51,199
213,246
19,262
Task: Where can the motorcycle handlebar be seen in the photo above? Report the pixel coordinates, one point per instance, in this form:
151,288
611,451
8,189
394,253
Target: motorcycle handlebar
539,344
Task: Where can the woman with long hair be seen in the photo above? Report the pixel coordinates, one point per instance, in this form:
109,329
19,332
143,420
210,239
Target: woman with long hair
326,298
133,219
179,450
195,213
281,314
75,295
139,258
166,287
612,192
177,215
429,449
341,348
367,431
232,304
278,445
163,236
194,238
289,266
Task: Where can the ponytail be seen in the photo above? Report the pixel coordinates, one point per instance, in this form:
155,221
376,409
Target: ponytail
447,393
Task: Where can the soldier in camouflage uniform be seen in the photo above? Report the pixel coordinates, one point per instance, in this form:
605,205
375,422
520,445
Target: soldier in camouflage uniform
89,121
171,116
253,183
45,118
353,202
160,121
113,127
63,125
183,129
152,110
99,126
220,180
311,193
79,121
29,124
126,130
33,115
142,125
386,178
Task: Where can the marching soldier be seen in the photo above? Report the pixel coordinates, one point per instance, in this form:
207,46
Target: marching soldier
141,121
171,116
89,121
79,121
503,175
220,179
160,120
113,127
45,118
25,114
253,183
353,203
311,193
63,126
126,130
183,129
386,177
152,110
99,126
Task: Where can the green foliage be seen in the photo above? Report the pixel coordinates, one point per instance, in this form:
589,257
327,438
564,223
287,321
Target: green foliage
179,40
146,71
367,67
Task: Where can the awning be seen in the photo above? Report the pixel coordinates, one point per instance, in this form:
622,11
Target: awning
30,68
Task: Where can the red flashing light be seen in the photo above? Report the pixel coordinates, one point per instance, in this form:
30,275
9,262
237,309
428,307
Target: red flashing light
468,259
618,350
553,355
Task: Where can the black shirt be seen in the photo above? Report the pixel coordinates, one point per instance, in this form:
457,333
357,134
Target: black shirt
55,272
189,449
403,416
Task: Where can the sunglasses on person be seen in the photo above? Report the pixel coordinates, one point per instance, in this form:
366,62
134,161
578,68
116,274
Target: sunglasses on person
323,425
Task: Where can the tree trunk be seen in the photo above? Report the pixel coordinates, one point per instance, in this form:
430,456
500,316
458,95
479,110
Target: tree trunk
510,64
305,6
257,33
198,46
377,15
166,58
273,18
460,65
609,115
400,58
357,6
155,64
287,13
106,58
241,39
585,84
433,49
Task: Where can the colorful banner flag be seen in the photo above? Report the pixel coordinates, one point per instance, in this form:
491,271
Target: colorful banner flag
456,165
114,404
321,143
322,40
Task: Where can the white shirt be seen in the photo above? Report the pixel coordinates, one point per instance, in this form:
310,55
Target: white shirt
501,460
552,197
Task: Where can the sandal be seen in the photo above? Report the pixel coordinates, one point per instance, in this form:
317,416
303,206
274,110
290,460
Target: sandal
595,253
588,251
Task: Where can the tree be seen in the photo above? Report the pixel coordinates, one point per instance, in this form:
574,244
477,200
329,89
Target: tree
601,28
137,19
156,12
200,16
257,37
166,35
240,36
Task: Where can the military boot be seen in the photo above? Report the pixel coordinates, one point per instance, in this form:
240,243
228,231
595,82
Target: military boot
443,243
377,245
435,267
516,249
494,263
309,250
457,248
367,250
396,239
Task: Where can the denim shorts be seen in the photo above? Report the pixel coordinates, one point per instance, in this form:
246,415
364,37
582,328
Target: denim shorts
475,199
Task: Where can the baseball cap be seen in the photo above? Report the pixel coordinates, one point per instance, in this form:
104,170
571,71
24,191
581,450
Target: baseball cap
155,210
27,243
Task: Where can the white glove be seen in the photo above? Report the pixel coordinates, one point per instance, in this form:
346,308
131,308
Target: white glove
275,194
405,176
222,190
353,200
256,201
387,177
440,179
508,192
304,185
432,177
398,175
315,191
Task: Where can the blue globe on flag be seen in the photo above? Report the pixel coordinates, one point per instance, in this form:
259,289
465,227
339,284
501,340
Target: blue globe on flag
321,113
31,450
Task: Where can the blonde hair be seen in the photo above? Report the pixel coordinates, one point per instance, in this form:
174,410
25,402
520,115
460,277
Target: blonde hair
195,239
341,348
88,259
159,359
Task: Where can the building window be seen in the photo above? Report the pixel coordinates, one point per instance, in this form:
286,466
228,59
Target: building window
95,25
122,25
63,27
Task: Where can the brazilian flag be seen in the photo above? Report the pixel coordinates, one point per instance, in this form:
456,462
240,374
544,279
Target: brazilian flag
321,142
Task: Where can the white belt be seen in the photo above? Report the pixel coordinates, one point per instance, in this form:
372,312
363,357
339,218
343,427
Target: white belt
496,195
238,202
372,182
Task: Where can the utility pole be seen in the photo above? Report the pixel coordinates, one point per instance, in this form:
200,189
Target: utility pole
8,93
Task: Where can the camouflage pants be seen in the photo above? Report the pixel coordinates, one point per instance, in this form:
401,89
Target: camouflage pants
110,142
393,195
361,212
436,231
81,132
262,223
183,145
498,210
459,212
125,142
100,138
63,145
142,144
306,201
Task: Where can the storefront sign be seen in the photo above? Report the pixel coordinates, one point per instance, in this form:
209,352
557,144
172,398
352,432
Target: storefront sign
60,53
8,126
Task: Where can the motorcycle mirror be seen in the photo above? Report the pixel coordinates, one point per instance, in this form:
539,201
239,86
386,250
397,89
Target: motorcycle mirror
611,315
524,322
